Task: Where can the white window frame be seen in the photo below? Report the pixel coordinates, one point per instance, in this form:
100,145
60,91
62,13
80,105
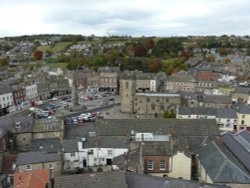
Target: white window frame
110,152
28,167
162,165
51,166
150,165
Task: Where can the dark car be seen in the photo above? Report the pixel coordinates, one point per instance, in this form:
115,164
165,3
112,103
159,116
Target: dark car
79,170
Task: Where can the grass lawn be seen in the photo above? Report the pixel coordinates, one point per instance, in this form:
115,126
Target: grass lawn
57,47
56,65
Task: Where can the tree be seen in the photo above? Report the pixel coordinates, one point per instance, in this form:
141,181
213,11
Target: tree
139,51
222,51
169,114
210,58
98,61
148,43
3,62
38,55
167,47
111,56
76,60
226,60
201,44
154,65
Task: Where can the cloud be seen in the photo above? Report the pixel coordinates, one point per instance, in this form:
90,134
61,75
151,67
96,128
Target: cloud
131,17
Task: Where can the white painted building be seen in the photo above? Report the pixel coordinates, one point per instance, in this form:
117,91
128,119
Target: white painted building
153,86
226,119
6,98
88,155
31,92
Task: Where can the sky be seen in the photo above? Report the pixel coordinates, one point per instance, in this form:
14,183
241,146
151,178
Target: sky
125,17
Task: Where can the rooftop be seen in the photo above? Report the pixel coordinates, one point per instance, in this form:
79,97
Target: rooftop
109,179
221,165
30,179
239,145
50,145
36,157
158,94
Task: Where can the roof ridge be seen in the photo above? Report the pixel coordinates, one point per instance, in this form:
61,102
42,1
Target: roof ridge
220,150
228,160
220,169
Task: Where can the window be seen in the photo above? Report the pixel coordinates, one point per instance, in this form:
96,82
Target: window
110,152
152,107
167,100
148,99
90,152
28,167
72,154
243,116
150,165
162,165
127,85
242,122
51,166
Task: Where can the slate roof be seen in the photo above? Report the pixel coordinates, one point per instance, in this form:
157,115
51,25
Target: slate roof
242,90
196,142
4,89
244,109
106,142
113,142
70,145
197,111
135,180
138,75
239,145
226,113
181,77
190,95
193,61
50,145
156,149
217,99
130,159
79,131
117,127
48,125
25,122
36,157
114,179
221,165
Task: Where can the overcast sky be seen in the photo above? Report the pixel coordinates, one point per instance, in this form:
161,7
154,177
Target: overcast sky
125,17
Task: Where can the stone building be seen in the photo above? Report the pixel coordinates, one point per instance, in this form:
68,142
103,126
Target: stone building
156,103
132,82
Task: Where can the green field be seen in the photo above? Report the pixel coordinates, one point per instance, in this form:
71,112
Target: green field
57,47
56,65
